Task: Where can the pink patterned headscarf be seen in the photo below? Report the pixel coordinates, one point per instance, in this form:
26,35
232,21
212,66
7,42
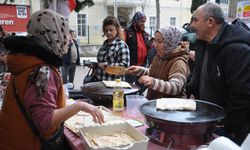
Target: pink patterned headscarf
172,37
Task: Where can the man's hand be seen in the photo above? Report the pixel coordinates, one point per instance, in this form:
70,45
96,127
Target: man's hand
191,55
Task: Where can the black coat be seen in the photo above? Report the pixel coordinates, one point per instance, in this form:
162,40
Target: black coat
31,45
132,42
228,75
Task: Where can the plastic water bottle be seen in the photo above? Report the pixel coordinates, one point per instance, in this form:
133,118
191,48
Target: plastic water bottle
66,92
118,98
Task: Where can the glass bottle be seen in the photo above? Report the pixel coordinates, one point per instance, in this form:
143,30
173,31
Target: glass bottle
118,98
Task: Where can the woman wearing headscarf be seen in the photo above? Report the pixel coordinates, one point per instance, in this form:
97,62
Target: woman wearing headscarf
33,62
168,72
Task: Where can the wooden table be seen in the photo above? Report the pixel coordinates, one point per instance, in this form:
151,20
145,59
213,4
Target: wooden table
100,94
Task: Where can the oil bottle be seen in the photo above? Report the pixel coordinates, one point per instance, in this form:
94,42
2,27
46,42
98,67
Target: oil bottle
118,98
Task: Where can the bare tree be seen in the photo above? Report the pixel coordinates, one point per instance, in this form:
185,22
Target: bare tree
196,4
79,4
11,1
157,2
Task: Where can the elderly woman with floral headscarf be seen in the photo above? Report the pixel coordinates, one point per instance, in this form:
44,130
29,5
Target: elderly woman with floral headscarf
168,72
33,62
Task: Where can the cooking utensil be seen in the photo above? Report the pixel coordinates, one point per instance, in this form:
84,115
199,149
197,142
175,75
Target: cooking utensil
90,64
115,70
182,129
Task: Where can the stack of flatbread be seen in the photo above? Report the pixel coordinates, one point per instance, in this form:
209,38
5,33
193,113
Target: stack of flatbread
83,119
109,140
111,84
115,70
175,104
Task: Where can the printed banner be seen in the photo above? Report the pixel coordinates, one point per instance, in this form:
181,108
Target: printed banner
243,9
14,18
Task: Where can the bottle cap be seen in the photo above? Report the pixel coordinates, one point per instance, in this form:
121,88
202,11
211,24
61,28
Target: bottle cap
118,80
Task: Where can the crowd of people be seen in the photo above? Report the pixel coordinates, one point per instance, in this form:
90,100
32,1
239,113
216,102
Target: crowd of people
219,53
36,85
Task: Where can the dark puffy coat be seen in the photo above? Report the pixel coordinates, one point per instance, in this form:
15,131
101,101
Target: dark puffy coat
228,73
131,41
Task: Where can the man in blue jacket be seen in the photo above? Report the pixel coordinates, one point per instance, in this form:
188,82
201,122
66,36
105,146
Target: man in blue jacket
71,59
222,68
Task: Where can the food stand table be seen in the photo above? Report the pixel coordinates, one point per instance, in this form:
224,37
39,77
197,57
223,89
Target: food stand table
202,107
100,94
79,145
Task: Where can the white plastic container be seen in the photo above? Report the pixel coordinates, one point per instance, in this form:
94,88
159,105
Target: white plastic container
246,144
140,143
82,123
221,143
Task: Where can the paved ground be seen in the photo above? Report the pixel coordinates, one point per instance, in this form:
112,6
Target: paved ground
81,72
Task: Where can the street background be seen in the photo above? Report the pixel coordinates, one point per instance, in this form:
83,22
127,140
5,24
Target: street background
81,72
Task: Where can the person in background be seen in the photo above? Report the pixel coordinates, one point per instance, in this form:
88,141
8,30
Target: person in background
137,40
33,62
114,51
13,33
189,36
168,72
3,52
222,68
70,59
151,52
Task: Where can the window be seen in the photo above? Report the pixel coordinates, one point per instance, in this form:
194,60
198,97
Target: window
223,1
81,24
152,25
173,21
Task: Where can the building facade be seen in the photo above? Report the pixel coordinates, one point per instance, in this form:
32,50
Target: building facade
88,22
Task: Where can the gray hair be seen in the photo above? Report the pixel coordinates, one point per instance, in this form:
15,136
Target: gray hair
213,10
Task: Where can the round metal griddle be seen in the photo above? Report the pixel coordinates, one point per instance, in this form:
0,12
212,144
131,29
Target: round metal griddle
94,89
102,95
205,112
